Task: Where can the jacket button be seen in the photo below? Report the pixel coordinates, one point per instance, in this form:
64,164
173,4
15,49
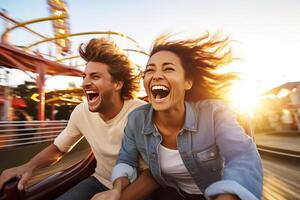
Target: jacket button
212,154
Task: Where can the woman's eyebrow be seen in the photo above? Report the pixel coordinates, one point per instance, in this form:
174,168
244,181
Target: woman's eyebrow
150,65
168,63
164,64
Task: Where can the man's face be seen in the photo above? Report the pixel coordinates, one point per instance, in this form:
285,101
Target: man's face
98,86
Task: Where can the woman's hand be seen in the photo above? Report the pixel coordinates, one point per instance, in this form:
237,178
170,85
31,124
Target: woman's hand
113,194
226,197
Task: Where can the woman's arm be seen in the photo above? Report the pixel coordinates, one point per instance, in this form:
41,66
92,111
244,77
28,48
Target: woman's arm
243,170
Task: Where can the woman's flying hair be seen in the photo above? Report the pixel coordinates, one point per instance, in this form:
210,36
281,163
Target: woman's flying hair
201,57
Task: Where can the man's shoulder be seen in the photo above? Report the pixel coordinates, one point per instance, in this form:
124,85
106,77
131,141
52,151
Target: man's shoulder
132,104
141,110
135,102
81,107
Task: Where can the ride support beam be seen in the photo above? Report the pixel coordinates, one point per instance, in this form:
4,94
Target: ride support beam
52,111
40,82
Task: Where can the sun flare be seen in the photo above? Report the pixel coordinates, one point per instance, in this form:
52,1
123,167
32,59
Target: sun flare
244,97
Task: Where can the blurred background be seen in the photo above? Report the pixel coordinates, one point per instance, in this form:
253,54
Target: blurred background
40,70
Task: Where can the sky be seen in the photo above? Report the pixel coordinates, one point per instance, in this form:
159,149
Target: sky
266,32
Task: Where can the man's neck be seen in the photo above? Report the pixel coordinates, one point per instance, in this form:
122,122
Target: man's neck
113,111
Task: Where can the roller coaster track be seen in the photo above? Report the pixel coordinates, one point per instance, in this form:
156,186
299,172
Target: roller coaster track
281,181
284,153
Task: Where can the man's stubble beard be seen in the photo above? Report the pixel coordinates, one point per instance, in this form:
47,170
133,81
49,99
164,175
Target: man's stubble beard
106,103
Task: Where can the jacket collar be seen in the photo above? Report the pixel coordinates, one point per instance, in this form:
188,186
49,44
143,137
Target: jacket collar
190,122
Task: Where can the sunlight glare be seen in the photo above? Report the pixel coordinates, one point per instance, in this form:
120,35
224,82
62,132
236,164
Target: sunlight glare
244,96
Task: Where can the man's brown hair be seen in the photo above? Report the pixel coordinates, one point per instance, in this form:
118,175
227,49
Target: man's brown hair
120,67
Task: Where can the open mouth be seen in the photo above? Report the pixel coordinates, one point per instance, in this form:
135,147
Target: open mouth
92,95
160,91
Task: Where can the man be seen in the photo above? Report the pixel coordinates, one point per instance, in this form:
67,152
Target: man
109,85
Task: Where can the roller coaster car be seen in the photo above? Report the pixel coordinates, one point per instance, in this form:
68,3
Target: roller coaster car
57,184
54,185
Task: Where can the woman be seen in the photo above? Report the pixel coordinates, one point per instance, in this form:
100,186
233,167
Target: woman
190,140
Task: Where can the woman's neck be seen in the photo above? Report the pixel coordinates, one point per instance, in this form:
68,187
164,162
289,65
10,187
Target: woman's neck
170,121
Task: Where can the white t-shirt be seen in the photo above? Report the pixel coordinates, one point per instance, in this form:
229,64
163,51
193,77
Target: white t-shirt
104,137
172,165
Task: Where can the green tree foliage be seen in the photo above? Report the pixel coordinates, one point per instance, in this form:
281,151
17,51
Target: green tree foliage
25,91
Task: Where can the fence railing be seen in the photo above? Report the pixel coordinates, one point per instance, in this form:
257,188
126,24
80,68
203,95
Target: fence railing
18,133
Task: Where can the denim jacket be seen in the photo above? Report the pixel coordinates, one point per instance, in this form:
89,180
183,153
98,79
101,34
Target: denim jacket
217,153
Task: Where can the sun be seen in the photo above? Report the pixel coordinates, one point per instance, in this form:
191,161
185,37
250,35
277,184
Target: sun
244,96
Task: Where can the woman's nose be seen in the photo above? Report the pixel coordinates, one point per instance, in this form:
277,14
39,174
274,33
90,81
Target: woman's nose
157,75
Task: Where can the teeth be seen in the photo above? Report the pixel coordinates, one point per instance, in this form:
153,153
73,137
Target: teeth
159,87
91,92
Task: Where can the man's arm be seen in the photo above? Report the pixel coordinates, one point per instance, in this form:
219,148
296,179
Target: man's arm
142,187
114,193
48,156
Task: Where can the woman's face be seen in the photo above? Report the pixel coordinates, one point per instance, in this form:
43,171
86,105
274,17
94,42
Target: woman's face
164,81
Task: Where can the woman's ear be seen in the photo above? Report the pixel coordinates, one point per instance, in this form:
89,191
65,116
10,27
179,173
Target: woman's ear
188,84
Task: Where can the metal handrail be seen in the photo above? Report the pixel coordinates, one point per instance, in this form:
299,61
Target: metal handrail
21,139
25,143
16,133
31,129
32,133
35,122
21,124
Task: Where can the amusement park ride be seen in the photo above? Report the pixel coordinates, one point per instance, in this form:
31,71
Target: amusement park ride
26,59
38,66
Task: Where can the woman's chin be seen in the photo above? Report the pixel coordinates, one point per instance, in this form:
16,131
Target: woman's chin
161,104
160,107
